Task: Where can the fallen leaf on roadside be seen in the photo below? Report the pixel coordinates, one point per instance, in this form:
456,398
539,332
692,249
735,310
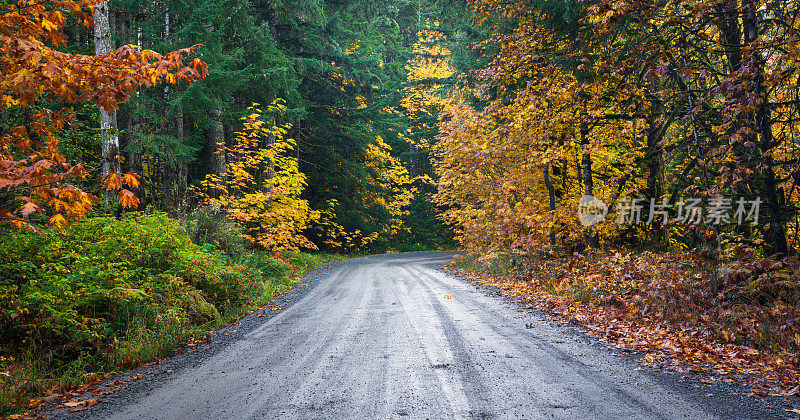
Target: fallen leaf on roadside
788,393
660,306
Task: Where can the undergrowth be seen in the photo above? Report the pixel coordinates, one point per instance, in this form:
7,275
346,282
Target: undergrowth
109,294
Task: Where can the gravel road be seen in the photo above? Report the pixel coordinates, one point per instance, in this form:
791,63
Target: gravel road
394,336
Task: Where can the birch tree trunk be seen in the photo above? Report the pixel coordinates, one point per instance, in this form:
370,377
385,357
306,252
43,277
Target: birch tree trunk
109,135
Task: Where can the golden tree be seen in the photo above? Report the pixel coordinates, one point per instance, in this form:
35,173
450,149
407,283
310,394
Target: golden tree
261,186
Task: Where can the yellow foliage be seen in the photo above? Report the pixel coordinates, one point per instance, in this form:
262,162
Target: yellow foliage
491,163
390,190
261,187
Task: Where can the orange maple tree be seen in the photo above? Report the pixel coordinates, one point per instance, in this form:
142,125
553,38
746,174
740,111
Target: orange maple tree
34,174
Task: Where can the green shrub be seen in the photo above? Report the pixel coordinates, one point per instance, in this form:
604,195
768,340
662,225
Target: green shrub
302,262
267,266
208,225
110,291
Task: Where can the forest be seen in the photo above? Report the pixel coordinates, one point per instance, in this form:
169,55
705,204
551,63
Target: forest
168,166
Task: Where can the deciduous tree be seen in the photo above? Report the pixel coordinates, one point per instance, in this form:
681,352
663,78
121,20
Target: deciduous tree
34,174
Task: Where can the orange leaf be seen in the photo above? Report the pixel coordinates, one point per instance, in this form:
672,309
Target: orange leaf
112,181
131,180
127,199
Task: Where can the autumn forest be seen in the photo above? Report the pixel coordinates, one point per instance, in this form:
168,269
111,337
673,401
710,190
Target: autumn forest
169,166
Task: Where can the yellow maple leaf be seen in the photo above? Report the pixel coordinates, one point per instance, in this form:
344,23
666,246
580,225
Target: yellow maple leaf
58,221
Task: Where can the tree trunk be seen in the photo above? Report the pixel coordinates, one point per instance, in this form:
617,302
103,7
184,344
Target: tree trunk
183,168
108,120
586,169
775,236
216,144
167,162
166,36
654,158
166,22
731,36
586,160
271,144
552,195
